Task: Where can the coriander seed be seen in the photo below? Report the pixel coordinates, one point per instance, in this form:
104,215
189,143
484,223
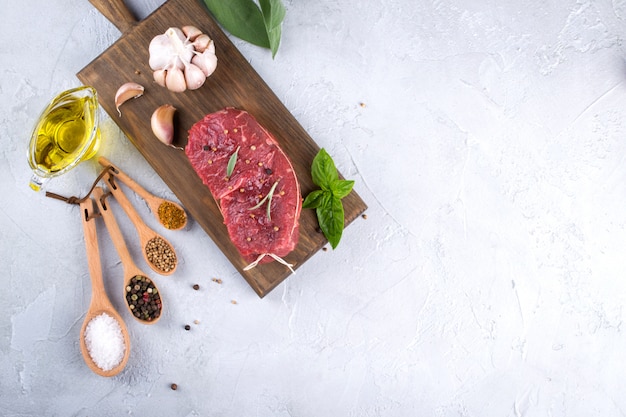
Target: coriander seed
160,254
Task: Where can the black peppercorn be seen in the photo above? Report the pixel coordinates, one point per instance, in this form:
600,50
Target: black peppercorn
143,298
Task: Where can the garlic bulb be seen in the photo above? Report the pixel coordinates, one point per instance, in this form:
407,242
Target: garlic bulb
182,58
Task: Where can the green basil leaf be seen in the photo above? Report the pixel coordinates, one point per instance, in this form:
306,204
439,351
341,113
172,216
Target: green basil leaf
242,18
331,219
273,14
341,188
327,201
323,170
314,199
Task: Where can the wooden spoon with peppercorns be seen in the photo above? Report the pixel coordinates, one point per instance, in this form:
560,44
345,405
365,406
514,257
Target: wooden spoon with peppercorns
157,251
170,214
147,306
100,302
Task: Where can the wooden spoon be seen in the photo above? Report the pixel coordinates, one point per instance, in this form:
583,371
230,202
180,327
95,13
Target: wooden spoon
172,215
99,301
130,269
157,250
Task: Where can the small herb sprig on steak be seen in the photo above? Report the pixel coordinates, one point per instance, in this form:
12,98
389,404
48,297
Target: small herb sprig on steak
327,201
231,162
267,198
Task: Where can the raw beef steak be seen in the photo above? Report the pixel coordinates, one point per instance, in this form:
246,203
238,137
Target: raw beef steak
258,226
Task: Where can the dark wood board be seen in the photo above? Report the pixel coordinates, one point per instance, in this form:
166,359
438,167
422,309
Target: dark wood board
234,83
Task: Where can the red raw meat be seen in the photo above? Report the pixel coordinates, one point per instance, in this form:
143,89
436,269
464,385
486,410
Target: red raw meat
260,165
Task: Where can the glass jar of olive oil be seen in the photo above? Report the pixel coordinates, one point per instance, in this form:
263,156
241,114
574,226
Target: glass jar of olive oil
66,133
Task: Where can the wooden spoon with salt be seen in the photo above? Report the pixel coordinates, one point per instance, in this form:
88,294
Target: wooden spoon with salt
170,214
157,251
100,303
131,271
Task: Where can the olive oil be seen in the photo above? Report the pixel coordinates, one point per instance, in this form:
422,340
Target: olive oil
65,135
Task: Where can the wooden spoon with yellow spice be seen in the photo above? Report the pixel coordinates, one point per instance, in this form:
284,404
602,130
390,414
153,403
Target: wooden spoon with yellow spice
170,214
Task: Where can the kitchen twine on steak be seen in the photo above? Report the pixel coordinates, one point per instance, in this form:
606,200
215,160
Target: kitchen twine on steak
78,200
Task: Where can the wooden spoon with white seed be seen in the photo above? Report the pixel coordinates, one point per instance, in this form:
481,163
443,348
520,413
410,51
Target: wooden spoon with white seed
100,302
170,214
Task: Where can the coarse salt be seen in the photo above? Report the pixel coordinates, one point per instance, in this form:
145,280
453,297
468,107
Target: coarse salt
105,342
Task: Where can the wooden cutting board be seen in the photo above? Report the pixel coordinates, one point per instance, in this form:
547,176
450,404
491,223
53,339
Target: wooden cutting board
234,83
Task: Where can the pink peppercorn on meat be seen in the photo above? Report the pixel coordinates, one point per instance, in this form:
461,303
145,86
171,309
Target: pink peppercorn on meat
252,181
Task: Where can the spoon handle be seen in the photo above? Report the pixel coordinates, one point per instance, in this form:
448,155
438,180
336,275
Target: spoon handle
113,228
93,252
142,228
119,174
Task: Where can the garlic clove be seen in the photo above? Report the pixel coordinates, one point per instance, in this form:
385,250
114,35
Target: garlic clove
207,61
211,48
201,43
126,92
194,77
191,32
161,51
175,80
162,123
159,77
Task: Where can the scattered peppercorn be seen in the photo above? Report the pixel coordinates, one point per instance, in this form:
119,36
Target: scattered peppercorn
174,387
160,254
143,298
196,287
187,327
325,249
364,216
